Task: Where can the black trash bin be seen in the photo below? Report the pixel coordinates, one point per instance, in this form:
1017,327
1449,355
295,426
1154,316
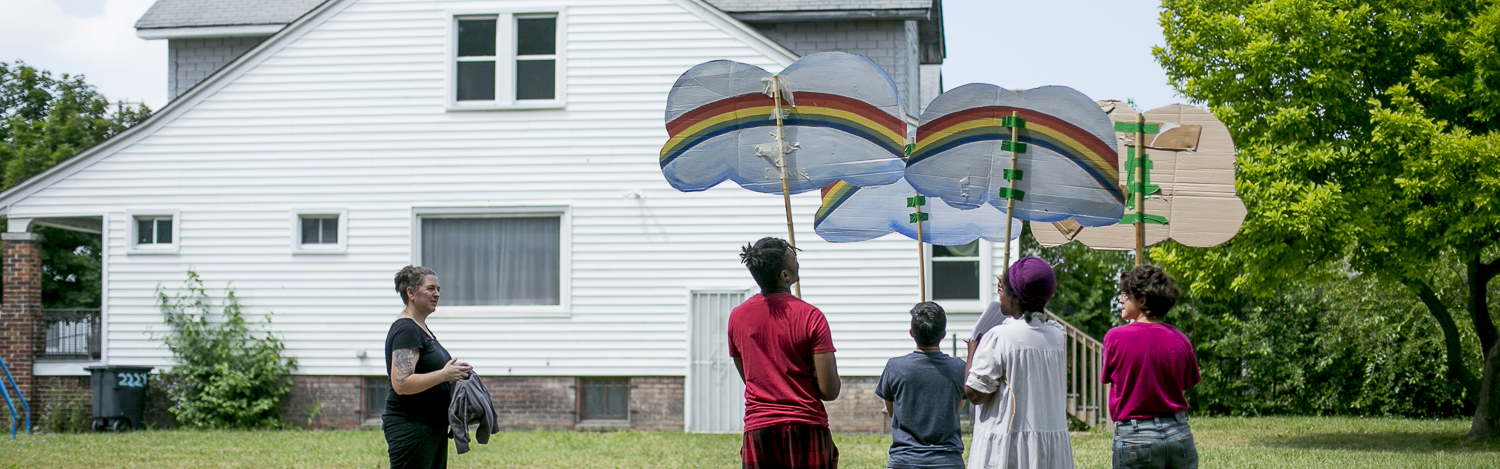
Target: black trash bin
118,392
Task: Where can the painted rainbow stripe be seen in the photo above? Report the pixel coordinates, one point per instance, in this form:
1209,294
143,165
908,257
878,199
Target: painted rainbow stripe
754,110
834,195
1095,156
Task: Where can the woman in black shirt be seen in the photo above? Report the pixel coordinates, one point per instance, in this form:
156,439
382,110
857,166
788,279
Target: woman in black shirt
421,376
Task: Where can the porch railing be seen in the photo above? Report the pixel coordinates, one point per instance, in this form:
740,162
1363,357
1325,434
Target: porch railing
72,334
1087,397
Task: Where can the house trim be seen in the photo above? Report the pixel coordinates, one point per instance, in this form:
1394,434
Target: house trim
209,31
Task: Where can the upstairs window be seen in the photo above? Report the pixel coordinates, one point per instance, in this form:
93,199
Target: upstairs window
506,61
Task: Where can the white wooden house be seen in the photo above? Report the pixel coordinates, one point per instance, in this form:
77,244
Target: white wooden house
313,148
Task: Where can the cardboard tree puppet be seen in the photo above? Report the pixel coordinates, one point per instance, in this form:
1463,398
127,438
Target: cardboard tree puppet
1184,176
983,157
829,116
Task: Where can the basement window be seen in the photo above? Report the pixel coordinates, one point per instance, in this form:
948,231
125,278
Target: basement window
604,399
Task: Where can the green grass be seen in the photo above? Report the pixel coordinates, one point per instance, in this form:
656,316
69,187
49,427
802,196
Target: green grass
1272,442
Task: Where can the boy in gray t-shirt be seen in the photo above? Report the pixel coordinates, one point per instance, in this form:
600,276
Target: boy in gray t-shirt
922,392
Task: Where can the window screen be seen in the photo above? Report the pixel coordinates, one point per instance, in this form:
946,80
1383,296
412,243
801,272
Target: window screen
536,58
475,73
955,272
604,399
495,261
320,230
153,230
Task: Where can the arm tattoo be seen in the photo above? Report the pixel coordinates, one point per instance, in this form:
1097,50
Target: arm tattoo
405,363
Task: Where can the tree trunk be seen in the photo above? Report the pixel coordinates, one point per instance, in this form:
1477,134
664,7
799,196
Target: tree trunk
1487,401
1488,408
1456,368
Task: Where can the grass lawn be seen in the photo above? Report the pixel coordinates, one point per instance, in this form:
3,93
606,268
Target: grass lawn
1293,442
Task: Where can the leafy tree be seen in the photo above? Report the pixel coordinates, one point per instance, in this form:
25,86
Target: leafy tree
43,121
1367,138
225,375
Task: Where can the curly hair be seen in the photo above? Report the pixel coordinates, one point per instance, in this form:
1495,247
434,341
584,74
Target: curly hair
411,277
1152,289
928,324
766,258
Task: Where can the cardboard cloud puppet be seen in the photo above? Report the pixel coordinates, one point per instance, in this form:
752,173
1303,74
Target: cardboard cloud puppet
841,121
1190,182
1068,164
851,214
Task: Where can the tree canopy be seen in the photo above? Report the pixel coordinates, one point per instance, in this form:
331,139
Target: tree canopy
1367,144
43,121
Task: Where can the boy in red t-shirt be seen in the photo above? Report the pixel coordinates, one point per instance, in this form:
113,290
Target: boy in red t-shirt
784,353
1150,365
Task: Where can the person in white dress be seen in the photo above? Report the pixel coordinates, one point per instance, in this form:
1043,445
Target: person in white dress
1017,379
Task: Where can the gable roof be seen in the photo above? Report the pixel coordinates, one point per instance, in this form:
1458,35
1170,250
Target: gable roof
300,24
206,13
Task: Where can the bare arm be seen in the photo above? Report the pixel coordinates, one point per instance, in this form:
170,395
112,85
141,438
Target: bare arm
974,396
890,409
740,367
826,369
405,380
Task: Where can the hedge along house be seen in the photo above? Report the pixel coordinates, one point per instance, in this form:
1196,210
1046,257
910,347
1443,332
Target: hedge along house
312,149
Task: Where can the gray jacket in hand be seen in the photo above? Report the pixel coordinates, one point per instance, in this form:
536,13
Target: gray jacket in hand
471,404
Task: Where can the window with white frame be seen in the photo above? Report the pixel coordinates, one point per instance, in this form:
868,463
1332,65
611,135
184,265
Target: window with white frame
319,231
153,232
495,260
506,60
956,271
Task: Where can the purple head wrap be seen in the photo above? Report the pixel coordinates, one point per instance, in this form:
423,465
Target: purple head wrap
1032,281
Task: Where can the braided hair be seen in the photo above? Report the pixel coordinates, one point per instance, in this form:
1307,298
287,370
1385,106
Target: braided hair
766,258
412,277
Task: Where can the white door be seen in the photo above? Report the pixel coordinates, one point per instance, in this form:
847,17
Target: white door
715,393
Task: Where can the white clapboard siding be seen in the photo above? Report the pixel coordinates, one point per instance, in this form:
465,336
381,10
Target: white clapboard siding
350,116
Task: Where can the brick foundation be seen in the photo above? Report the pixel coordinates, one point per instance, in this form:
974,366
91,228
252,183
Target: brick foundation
333,402
21,326
857,409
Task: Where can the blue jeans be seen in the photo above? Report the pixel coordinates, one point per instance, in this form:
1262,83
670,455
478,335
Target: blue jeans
1160,442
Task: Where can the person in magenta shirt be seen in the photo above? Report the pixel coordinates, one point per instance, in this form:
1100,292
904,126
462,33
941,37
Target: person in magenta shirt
784,352
1150,365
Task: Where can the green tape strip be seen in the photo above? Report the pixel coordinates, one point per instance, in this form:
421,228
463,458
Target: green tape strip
910,147
1133,127
1013,122
1129,219
1017,147
1008,193
917,201
919,216
1013,174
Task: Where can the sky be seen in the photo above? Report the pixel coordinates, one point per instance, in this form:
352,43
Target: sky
1101,48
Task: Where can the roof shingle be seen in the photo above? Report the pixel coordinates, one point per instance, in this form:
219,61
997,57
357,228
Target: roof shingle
202,13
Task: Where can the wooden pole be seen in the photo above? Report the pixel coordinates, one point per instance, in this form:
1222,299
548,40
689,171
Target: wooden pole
1140,187
786,195
921,255
1010,202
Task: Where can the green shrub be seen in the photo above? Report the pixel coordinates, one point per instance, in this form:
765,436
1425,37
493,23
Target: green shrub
224,374
71,412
